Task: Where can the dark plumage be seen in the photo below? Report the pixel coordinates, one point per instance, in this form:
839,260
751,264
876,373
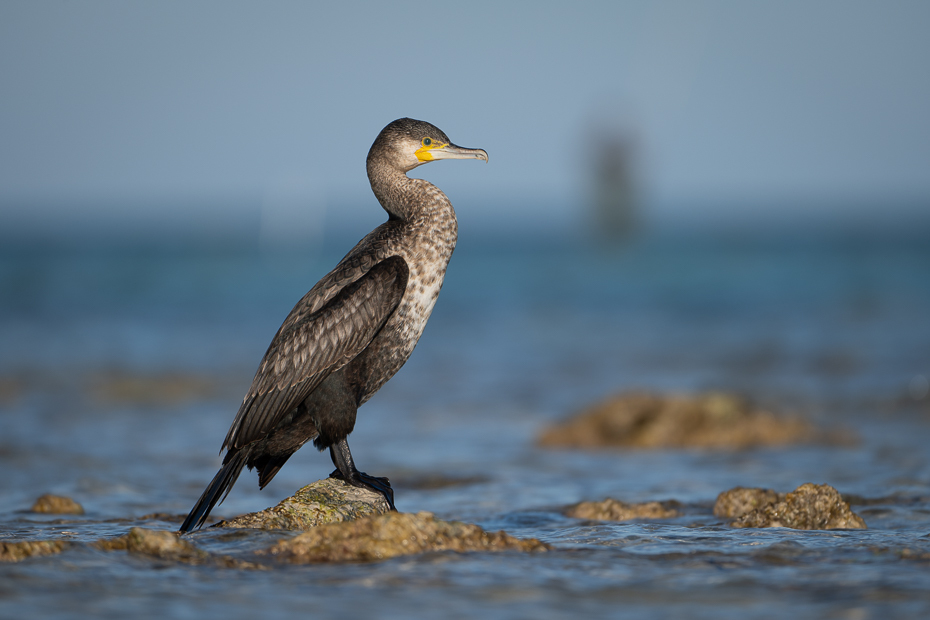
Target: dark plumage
354,329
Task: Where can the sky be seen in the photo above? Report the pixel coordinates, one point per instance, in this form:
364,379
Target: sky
198,113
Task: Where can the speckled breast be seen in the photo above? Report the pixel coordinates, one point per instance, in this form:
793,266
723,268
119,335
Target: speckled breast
426,245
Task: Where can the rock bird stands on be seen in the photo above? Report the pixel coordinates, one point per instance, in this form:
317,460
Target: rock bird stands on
354,329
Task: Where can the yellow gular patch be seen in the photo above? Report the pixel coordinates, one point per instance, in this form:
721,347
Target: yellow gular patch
424,153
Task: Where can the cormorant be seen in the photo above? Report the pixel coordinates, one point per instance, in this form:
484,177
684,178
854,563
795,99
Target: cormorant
354,329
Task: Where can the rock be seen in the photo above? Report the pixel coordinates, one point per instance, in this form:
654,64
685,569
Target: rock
714,420
19,551
163,544
391,535
324,501
809,507
57,505
166,545
740,500
613,510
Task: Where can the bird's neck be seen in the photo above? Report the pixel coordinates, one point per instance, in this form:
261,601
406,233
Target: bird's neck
405,198
428,226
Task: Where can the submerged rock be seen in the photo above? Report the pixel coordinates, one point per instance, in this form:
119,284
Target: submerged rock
158,543
809,507
613,510
57,505
713,420
324,501
913,554
19,551
391,535
166,545
741,500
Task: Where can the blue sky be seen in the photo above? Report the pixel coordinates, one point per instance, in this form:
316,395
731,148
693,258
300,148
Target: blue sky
150,109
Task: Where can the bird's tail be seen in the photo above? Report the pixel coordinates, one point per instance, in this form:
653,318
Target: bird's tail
217,490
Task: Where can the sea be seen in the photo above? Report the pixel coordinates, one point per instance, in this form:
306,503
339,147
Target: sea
122,366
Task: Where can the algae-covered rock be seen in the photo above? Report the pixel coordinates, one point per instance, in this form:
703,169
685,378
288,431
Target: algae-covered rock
324,501
809,507
614,510
166,545
57,505
714,420
18,551
741,500
391,535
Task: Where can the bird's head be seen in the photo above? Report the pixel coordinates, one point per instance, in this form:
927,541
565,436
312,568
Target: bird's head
407,143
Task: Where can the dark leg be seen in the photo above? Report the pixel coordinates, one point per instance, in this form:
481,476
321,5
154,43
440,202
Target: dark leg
345,470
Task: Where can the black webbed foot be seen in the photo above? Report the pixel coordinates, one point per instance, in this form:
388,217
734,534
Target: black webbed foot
347,472
376,484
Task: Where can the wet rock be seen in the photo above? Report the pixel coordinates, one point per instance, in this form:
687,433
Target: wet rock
613,510
391,535
166,545
324,501
714,420
57,505
163,544
809,507
741,500
19,551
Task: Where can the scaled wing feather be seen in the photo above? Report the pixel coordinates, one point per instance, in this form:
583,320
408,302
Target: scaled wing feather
311,344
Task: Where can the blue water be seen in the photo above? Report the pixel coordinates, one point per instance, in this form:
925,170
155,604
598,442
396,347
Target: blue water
525,332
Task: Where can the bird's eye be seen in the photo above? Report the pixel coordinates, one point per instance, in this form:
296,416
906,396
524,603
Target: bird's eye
427,141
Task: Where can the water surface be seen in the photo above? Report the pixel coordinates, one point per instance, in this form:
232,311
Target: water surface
121,371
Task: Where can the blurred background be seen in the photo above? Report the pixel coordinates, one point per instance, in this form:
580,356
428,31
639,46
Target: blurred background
681,196
228,122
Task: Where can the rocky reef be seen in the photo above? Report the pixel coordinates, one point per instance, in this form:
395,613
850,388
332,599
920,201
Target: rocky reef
392,535
169,546
715,420
19,551
615,510
318,503
342,524
57,505
808,507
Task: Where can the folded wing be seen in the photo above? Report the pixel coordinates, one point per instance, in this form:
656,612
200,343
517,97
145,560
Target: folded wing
311,345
